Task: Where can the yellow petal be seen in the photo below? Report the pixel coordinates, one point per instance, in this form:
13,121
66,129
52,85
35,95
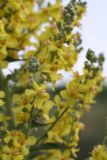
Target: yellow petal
1,102
7,139
2,94
6,149
24,151
30,141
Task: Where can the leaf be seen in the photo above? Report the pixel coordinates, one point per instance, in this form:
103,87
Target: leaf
35,151
60,146
38,124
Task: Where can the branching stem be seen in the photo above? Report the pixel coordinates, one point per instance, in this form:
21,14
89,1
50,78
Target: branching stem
8,98
30,121
43,137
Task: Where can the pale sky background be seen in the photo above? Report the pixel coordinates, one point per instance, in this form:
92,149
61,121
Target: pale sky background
93,30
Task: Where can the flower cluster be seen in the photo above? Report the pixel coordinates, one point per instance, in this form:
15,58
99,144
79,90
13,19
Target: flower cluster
99,152
36,123
15,145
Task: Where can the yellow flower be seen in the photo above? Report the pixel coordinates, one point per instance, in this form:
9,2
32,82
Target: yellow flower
2,95
55,155
22,101
4,118
42,100
99,153
59,103
22,117
18,149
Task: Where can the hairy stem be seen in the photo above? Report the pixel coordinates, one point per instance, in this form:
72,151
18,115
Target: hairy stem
30,121
43,137
4,85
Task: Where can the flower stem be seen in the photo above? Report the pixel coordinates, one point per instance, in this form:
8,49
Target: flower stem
8,98
30,121
43,137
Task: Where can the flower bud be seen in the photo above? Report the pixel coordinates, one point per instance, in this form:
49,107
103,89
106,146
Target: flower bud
101,59
91,56
33,64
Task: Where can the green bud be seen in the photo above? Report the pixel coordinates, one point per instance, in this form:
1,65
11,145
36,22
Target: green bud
59,25
91,56
67,29
33,64
82,3
58,36
68,14
87,65
96,69
101,59
44,77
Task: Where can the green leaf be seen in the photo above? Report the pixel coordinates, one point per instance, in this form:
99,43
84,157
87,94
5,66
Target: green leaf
38,150
36,123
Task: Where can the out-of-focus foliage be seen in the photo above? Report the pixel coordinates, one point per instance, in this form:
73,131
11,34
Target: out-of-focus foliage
33,125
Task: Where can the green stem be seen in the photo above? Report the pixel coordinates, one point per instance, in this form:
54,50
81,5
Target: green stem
30,121
43,137
8,98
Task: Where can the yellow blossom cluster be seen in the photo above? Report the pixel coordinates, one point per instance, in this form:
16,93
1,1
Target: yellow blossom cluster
37,97
77,97
18,22
15,145
99,153
36,123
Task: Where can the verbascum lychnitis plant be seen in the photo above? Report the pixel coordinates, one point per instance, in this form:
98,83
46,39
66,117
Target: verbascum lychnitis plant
44,39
